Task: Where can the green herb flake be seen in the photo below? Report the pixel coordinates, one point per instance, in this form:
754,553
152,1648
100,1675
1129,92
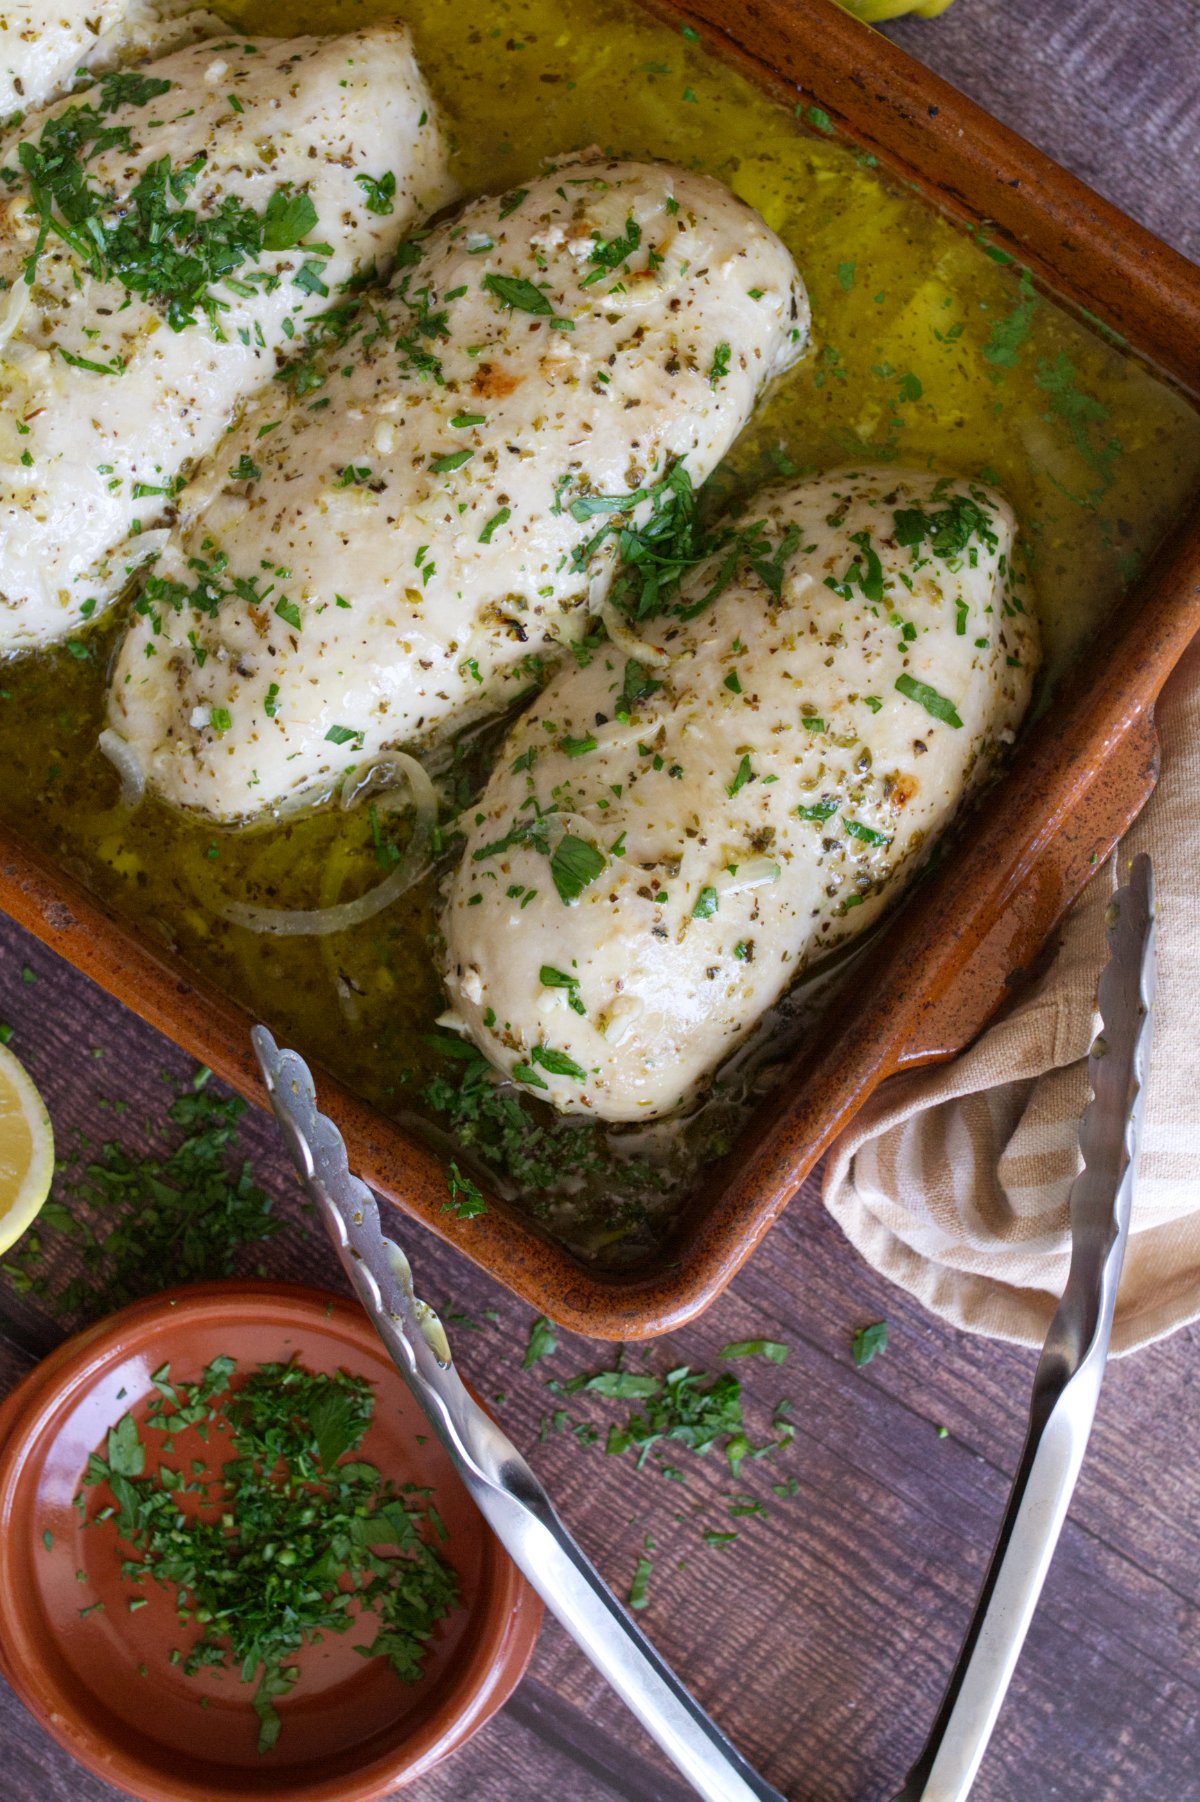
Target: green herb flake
309,1539
743,775
550,978
771,1349
869,1342
866,835
466,1198
517,294
928,698
441,466
542,1343
639,1589
380,192
574,864
558,1063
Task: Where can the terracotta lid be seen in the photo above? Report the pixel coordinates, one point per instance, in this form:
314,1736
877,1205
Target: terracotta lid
351,1730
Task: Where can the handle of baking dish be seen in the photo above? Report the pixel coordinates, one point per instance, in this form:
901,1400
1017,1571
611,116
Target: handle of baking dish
1050,873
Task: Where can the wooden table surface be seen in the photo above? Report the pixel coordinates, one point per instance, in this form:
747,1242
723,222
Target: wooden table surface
822,1637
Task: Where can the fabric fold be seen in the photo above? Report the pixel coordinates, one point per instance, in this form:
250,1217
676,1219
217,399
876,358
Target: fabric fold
953,1181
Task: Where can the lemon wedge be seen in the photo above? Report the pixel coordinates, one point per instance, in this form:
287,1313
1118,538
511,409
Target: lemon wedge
26,1150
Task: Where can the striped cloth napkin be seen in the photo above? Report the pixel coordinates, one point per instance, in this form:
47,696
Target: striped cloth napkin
953,1181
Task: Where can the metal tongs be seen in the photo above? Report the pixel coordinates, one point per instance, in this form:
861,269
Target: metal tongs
504,1489
1066,1390
1066,1385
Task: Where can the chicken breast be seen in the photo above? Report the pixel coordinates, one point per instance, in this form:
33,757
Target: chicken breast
45,43
389,554
162,236
665,847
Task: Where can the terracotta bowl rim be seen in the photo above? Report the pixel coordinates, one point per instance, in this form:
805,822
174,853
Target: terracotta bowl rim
496,1654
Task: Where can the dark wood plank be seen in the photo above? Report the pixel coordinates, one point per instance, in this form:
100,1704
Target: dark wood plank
822,1638
1109,89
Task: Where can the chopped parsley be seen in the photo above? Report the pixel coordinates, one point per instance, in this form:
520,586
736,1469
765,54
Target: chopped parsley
869,1341
609,255
550,978
866,835
743,775
929,699
466,1199
948,530
296,1538
719,368
441,466
148,239
558,1063
772,1349
183,1208
514,292
543,1342
574,864
380,192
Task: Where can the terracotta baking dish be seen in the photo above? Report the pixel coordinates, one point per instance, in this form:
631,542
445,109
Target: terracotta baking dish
965,937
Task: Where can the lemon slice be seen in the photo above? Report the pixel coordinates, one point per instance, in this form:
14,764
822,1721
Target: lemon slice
26,1150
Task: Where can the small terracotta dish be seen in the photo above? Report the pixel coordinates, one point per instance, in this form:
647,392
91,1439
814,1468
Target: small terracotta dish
101,1680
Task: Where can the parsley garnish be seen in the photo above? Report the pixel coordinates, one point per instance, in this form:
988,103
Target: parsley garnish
510,202
514,292
865,834
575,863
466,1199
442,466
929,699
134,1215
291,1542
719,368
743,775
550,978
148,239
558,1063
543,1342
757,1348
869,1341
380,192
611,254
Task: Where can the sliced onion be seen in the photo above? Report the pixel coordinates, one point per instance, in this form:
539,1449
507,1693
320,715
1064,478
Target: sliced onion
12,308
318,922
128,765
758,873
380,777
625,639
451,1021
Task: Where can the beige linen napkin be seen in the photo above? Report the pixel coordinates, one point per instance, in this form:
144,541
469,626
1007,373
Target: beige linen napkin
953,1181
